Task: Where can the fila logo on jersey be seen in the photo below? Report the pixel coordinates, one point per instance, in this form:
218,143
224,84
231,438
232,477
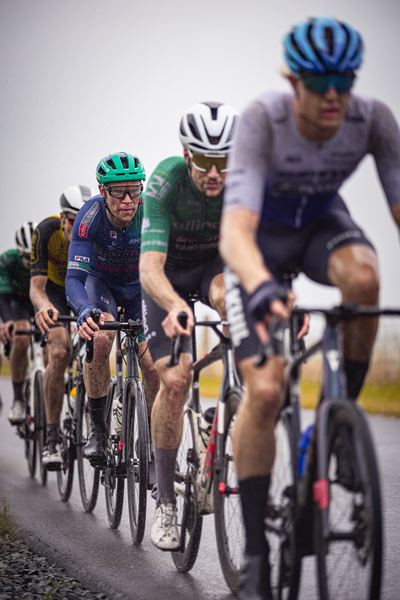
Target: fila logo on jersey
82,259
88,219
113,234
104,300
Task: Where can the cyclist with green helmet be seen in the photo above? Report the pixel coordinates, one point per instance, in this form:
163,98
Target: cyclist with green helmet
49,258
103,273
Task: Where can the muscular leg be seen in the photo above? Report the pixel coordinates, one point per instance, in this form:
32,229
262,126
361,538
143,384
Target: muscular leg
151,378
19,358
354,270
216,296
53,381
97,374
254,439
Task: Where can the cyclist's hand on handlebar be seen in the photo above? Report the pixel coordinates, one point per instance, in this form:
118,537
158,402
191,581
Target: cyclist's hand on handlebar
171,325
46,317
304,329
7,331
87,326
269,299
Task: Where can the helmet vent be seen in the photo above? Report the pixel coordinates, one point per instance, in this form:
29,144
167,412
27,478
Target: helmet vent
111,163
135,158
124,161
101,171
193,127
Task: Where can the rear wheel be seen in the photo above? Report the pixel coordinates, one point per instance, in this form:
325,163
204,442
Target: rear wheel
280,522
136,460
188,521
40,421
349,557
114,479
65,476
88,476
229,527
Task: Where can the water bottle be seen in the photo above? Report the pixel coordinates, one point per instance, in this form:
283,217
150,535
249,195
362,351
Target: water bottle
205,425
304,443
117,414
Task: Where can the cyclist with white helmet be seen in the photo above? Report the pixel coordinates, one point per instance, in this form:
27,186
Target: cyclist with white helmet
16,310
49,258
179,257
103,273
283,215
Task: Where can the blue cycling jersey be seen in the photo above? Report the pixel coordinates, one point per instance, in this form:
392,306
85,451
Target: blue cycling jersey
101,249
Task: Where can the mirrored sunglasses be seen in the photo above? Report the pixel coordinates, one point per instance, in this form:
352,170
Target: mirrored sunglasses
120,192
321,83
202,162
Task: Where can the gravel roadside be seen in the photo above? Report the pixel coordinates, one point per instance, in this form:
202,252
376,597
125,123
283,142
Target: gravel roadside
25,575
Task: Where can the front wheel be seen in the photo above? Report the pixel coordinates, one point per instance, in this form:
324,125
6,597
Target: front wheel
188,521
65,476
280,521
88,476
114,479
40,422
228,518
30,430
137,460
349,552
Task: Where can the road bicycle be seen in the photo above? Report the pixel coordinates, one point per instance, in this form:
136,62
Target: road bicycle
205,477
33,428
324,497
129,453
75,426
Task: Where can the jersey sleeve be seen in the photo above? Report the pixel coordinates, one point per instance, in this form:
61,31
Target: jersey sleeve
80,255
246,180
39,253
157,208
5,274
385,147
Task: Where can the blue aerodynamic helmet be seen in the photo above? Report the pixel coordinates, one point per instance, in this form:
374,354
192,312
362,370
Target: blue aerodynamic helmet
323,45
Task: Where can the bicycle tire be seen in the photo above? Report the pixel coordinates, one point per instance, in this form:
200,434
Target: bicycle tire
351,566
88,476
188,522
114,481
65,476
137,460
40,422
281,511
30,434
229,528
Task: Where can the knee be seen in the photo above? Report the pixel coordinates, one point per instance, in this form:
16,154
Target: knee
363,285
264,399
176,384
102,346
59,356
20,344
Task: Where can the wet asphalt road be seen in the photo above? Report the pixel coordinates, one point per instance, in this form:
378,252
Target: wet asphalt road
106,560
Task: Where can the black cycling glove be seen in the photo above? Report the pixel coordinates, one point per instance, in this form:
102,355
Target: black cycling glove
261,298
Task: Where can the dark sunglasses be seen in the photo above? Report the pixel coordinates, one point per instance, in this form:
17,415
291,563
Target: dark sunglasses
119,192
70,221
202,162
320,84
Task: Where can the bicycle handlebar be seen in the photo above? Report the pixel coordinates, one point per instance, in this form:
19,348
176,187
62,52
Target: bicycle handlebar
129,326
176,345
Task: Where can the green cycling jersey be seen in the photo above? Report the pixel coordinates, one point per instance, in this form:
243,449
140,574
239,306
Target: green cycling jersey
179,220
14,276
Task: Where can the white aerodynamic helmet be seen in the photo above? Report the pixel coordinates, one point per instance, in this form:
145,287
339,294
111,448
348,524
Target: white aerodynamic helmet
23,237
207,128
74,198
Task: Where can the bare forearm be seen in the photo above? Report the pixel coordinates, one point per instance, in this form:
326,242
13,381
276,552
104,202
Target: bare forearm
38,296
396,214
154,281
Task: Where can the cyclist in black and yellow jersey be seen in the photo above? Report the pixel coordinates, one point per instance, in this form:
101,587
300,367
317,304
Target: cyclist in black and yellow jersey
16,309
49,260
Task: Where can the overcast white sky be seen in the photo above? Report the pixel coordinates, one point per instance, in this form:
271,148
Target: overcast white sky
83,78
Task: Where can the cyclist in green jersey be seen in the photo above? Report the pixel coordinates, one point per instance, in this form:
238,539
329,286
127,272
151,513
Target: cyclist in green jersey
179,258
16,310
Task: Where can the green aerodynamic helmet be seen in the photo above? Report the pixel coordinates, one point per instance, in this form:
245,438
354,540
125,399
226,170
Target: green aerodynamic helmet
120,166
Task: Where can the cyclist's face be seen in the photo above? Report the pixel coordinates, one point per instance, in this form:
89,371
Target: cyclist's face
319,116
211,183
68,223
123,210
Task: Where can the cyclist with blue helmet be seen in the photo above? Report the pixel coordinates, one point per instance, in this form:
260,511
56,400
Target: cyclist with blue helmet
103,273
283,215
